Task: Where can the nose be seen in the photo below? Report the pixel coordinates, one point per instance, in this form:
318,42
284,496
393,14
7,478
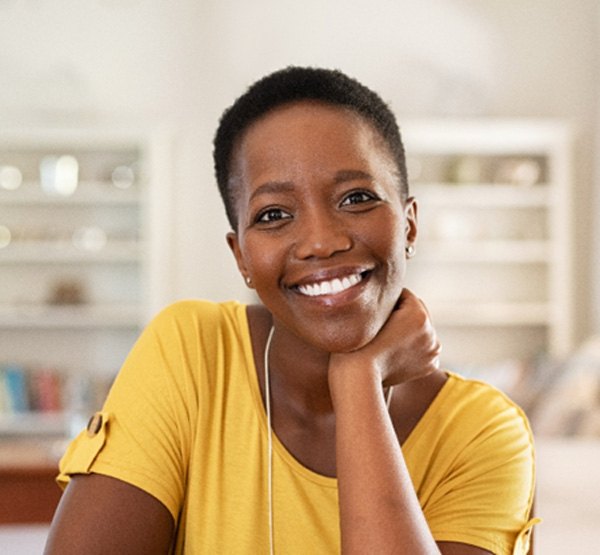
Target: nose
322,235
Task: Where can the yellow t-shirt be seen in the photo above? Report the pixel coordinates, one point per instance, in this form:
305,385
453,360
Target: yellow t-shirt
185,422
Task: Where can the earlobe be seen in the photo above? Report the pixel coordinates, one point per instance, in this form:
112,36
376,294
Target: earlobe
234,245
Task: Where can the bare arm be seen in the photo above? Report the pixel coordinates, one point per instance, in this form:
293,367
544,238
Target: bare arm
98,515
379,509
378,505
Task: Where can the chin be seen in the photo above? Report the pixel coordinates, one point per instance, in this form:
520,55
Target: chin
343,338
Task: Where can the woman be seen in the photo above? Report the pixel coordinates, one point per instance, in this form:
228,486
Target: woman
319,420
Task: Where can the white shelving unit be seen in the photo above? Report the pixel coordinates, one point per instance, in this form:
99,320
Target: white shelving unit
81,273
494,249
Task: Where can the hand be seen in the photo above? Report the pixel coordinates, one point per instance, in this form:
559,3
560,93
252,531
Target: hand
406,347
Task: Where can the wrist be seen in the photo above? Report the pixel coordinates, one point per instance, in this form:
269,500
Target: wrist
349,378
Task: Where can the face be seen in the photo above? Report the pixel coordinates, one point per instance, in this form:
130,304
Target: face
322,228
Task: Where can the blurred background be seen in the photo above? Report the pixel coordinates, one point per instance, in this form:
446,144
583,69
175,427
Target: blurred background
109,211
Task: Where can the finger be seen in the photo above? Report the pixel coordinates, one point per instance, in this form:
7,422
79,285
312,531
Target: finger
408,297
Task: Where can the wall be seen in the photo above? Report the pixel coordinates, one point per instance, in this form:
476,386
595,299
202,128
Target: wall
464,57
151,61
550,68
595,206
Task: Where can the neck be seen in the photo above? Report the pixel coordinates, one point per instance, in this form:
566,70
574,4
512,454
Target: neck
299,373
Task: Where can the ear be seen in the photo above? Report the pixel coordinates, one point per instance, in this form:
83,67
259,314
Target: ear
410,217
234,245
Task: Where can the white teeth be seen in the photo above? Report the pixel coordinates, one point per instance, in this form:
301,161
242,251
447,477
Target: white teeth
336,286
330,287
326,287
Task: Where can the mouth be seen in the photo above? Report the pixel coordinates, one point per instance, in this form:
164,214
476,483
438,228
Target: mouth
331,286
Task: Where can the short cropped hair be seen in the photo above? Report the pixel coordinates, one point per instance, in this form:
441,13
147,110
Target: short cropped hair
294,84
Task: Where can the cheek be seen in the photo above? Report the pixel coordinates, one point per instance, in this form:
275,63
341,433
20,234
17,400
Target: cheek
390,249
262,260
386,238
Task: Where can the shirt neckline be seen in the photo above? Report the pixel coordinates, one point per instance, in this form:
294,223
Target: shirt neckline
278,446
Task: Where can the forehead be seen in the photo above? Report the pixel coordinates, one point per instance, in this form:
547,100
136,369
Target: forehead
307,131
305,114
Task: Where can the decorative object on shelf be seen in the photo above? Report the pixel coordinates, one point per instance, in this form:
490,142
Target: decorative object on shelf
5,236
523,172
494,262
466,169
452,225
90,238
123,177
59,175
81,267
67,292
11,178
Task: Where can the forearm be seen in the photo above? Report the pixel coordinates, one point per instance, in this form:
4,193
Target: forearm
379,509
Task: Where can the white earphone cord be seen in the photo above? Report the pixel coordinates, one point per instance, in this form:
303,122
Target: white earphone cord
388,401
269,441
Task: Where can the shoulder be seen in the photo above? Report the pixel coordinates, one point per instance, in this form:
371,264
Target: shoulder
195,316
467,397
200,310
478,484
194,331
475,416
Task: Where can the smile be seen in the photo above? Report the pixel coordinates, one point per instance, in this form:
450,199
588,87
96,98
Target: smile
330,287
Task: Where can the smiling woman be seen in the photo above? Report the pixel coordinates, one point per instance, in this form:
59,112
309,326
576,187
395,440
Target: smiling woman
321,203
318,421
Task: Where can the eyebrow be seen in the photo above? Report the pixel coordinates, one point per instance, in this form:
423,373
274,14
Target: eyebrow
351,175
341,176
272,187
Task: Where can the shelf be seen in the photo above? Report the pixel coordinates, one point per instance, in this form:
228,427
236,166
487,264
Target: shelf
47,252
70,317
88,193
32,423
496,251
105,244
481,137
464,313
482,195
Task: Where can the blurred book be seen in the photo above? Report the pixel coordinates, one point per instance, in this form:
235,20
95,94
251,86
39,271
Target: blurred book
15,387
45,390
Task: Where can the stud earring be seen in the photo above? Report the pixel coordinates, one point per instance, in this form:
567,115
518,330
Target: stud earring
248,281
410,251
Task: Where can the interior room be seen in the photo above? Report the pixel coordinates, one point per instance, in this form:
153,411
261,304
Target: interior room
109,209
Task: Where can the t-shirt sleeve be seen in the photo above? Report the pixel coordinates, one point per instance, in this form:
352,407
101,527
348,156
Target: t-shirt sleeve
143,433
486,495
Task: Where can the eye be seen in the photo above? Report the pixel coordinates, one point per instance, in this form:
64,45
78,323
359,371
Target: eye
271,215
359,197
